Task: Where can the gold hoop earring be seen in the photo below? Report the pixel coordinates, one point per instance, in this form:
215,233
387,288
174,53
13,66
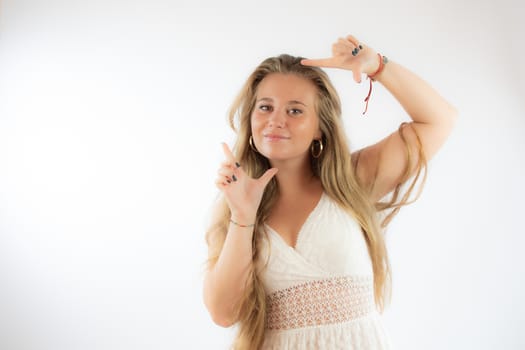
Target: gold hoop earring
250,141
312,148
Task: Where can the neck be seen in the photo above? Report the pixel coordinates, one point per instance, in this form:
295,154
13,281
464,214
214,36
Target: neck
295,179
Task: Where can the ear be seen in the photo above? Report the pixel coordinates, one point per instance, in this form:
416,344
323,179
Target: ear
318,135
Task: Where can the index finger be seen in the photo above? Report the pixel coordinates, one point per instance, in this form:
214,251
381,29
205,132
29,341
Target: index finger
228,153
320,62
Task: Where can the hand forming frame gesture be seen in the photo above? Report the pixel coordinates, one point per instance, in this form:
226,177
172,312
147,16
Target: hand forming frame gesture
348,53
243,193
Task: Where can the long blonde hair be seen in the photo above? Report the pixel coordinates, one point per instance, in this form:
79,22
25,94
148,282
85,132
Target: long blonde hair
336,171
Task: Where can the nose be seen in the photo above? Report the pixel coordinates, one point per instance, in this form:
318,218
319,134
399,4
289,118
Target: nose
277,118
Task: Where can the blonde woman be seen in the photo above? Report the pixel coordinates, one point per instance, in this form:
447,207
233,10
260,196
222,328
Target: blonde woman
297,257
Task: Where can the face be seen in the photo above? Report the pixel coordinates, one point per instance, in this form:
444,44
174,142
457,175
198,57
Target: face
284,120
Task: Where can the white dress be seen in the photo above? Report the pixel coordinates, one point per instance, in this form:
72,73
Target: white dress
320,294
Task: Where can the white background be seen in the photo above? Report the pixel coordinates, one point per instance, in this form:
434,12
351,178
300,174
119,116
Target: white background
111,118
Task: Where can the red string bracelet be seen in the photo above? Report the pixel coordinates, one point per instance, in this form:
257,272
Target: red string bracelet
382,61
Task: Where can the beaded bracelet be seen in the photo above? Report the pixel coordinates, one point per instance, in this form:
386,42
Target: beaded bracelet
241,225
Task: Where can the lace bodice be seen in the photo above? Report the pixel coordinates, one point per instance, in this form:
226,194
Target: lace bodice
320,294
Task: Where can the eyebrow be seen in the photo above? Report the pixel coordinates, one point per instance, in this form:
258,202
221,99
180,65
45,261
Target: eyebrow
293,102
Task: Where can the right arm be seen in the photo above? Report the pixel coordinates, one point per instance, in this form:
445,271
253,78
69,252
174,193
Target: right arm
226,281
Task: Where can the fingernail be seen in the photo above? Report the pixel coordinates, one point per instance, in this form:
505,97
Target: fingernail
237,164
234,178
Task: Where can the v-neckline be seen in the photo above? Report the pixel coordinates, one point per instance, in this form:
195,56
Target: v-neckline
300,232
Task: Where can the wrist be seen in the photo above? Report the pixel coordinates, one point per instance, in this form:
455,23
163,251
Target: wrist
242,224
242,219
382,61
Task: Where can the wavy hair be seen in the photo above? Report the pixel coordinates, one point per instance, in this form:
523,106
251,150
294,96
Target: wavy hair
336,171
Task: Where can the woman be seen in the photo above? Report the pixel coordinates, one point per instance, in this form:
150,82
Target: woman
296,253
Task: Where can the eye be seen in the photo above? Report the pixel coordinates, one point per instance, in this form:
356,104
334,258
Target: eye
265,108
295,111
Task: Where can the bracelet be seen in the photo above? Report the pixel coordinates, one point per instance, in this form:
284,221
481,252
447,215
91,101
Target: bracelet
382,61
241,225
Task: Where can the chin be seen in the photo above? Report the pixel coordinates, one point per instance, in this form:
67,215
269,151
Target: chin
279,155
273,155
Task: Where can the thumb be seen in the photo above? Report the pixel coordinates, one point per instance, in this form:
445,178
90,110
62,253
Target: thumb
267,176
357,75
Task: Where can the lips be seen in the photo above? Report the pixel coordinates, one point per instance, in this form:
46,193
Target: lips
275,137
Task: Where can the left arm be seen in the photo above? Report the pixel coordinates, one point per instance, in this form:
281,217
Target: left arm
432,116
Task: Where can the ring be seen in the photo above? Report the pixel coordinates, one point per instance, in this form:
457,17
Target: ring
356,50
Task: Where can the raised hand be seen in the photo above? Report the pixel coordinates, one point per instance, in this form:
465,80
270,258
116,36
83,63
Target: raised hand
243,193
364,61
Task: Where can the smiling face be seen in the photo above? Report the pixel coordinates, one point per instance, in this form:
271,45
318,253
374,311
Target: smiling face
284,120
